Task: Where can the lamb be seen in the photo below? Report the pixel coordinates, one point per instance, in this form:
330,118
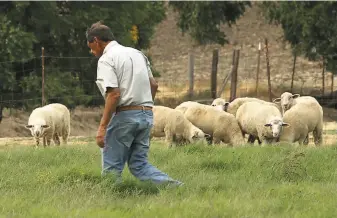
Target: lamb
304,117
174,126
288,100
221,125
50,122
253,118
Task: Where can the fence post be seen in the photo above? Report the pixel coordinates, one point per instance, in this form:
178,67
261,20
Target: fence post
191,75
323,77
293,75
268,69
214,72
223,85
234,75
42,59
258,69
332,83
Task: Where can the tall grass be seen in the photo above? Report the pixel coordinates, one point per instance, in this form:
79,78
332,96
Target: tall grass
219,182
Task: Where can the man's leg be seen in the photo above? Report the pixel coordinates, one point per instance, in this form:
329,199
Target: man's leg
118,139
138,155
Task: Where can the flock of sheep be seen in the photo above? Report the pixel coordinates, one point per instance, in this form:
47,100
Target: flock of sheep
289,119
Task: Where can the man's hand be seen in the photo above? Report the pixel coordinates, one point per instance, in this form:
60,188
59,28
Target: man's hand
111,99
100,136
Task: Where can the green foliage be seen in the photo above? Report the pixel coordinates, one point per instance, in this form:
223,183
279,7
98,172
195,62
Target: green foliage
61,87
60,28
202,19
310,27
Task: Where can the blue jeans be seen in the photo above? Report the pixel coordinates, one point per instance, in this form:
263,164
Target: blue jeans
127,140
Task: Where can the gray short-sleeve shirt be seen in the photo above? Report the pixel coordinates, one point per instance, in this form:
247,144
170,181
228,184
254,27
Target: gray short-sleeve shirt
129,70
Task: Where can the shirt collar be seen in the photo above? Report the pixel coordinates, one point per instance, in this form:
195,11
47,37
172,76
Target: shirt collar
109,46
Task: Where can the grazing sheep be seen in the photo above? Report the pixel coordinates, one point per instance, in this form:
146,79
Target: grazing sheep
260,120
303,117
288,100
221,125
174,126
50,122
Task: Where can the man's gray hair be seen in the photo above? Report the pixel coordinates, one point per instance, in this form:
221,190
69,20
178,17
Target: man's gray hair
100,31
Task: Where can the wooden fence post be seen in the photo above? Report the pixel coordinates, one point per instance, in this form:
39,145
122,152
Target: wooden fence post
214,72
332,83
191,75
323,77
293,74
268,70
258,69
235,75
42,90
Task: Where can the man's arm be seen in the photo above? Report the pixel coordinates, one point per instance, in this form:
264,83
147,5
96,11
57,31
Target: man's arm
111,99
154,87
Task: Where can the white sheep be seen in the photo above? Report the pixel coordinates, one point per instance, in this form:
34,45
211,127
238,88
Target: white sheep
50,122
174,126
220,124
218,101
304,117
288,100
261,120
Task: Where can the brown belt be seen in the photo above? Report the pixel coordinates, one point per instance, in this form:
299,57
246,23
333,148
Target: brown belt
132,107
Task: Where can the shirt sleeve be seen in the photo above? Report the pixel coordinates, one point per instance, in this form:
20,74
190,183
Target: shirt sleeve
106,75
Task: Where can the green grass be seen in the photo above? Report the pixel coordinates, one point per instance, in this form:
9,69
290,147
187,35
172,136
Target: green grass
219,182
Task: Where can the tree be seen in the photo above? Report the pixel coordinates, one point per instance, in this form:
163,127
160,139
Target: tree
60,27
202,19
310,27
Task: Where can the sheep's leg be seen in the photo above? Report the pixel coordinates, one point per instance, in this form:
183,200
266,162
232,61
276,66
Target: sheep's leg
251,139
48,141
168,137
306,140
65,135
37,140
44,141
56,139
318,135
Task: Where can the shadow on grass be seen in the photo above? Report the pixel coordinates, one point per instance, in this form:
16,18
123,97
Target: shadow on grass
110,184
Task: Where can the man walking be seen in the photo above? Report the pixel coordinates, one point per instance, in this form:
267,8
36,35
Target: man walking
125,80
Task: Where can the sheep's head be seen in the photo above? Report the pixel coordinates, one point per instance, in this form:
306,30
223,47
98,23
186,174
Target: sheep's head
276,125
37,130
220,104
198,134
286,100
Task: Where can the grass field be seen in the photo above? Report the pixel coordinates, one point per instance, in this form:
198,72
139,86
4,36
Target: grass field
219,182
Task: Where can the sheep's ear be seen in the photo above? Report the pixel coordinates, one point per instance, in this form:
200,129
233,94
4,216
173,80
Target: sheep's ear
296,95
28,126
225,106
45,126
277,100
267,124
285,124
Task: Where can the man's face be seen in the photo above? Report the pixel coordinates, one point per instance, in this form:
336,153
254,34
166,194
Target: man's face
96,47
